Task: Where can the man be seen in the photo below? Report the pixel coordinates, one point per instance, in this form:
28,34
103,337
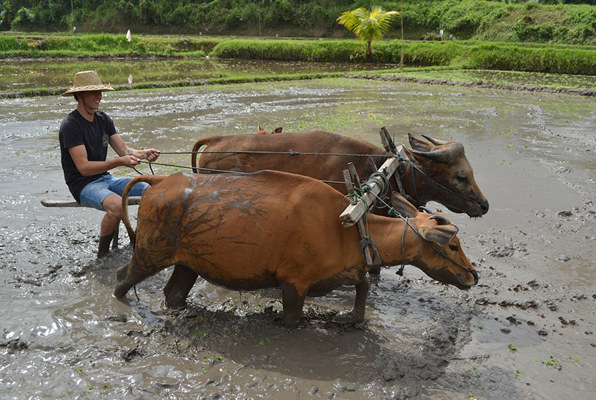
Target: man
84,137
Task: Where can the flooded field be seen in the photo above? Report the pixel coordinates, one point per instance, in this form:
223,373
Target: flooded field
525,332
17,75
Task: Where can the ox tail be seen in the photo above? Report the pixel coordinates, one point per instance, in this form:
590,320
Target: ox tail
195,150
150,179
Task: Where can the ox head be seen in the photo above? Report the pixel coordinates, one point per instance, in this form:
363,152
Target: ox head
449,176
262,131
435,248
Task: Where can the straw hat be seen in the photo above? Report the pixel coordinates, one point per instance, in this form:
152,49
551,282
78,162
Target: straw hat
87,81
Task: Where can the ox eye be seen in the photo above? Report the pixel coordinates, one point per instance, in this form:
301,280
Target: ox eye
453,247
462,179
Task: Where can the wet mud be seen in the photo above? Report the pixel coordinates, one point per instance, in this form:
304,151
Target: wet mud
479,83
525,332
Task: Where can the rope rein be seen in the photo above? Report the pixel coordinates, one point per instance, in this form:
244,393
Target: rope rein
290,153
216,171
451,191
413,166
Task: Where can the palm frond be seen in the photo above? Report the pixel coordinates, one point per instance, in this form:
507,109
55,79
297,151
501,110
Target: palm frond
366,25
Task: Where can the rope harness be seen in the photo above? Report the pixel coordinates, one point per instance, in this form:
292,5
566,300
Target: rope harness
367,240
439,251
450,191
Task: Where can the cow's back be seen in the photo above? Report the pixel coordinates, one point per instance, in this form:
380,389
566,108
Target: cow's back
318,154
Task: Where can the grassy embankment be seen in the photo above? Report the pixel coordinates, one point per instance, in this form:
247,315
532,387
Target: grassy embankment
578,60
453,55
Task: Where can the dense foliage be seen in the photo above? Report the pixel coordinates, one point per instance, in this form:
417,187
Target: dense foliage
562,21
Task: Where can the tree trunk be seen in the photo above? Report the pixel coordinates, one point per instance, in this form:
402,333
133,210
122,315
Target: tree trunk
401,17
369,55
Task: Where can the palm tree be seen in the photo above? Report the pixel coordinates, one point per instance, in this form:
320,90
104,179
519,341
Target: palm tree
368,26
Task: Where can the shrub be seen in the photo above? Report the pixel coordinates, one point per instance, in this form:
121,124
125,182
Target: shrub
9,43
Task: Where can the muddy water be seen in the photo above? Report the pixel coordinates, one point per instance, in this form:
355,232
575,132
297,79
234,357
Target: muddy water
526,332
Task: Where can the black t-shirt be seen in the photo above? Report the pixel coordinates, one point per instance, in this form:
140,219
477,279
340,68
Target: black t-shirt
75,131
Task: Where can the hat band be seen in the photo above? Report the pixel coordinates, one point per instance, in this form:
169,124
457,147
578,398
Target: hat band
88,88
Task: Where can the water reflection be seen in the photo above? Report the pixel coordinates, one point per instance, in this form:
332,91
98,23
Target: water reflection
30,74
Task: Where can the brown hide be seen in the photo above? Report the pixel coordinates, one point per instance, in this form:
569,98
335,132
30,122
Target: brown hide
271,229
454,172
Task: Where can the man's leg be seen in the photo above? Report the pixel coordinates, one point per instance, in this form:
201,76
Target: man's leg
113,207
104,194
99,195
112,204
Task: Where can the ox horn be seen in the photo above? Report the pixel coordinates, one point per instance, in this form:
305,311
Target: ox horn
445,154
434,141
425,209
440,220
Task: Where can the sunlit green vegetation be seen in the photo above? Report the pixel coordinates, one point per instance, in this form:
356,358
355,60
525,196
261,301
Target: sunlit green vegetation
579,60
469,55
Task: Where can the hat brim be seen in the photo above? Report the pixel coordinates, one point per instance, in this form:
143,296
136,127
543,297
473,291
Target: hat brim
88,88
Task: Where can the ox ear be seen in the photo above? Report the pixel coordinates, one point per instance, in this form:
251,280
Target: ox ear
403,206
413,156
260,127
277,130
418,144
439,234
446,153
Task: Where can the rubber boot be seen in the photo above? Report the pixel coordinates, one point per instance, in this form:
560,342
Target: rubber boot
104,245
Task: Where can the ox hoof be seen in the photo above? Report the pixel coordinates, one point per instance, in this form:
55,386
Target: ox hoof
349,318
176,304
120,292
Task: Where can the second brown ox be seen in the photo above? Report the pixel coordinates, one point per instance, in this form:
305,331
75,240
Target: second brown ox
439,171
250,232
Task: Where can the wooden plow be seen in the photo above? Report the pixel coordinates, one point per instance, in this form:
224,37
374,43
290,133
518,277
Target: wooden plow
132,201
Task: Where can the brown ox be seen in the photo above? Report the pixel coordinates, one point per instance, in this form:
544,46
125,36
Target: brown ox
275,229
442,172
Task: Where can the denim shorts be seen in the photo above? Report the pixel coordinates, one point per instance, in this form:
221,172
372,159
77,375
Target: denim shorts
95,192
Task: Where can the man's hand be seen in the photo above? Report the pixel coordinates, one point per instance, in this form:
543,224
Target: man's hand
129,161
151,154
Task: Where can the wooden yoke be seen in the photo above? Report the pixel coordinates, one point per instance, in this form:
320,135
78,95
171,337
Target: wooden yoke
352,179
354,212
390,147
360,205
